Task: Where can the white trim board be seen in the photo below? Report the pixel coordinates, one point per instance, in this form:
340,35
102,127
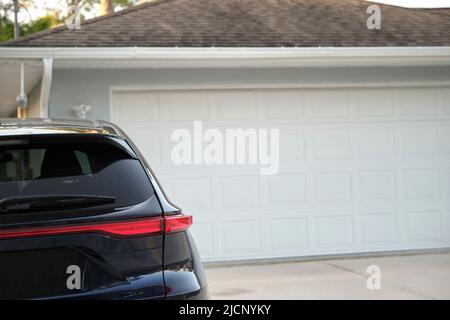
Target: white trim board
139,57
225,86
255,86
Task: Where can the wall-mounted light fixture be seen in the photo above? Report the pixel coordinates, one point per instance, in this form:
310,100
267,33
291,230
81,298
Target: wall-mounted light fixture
81,110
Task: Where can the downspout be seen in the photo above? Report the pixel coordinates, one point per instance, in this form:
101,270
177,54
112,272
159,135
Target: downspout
45,86
21,100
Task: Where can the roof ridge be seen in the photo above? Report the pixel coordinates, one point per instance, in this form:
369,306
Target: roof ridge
62,27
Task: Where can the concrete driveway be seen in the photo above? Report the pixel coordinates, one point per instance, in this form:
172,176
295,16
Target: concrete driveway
425,276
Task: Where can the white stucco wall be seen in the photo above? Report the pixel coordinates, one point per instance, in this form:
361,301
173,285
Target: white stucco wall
75,86
34,102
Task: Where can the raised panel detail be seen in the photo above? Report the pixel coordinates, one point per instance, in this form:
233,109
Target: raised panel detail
238,192
288,233
377,185
185,105
376,143
191,193
421,184
424,227
334,231
236,105
148,141
285,190
241,237
283,104
204,238
379,229
292,146
331,144
332,187
445,101
372,102
447,184
328,103
444,140
446,225
417,101
136,106
419,141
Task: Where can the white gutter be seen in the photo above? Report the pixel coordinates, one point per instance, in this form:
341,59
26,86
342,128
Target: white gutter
258,57
45,86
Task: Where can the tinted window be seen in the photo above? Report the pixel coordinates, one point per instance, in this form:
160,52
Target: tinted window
81,166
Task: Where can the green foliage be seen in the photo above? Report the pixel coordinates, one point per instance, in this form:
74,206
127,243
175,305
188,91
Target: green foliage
125,3
6,30
42,23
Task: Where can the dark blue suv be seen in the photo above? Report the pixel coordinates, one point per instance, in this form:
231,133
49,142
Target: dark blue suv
83,217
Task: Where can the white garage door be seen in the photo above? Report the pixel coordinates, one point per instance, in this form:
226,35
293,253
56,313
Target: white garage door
361,170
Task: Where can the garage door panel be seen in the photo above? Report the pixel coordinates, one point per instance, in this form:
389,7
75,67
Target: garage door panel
166,151
421,184
417,102
185,106
334,232
372,103
203,232
418,141
446,184
332,187
379,229
235,105
331,143
292,148
148,141
136,106
240,238
327,104
444,140
423,227
283,104
288,234
378,185
361,169
376,143
238,192
445,101
192,194
446,218
284,190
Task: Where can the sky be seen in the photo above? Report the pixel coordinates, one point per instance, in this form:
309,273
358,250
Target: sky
39,8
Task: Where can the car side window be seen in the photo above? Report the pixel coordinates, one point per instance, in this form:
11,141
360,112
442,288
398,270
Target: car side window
19,165
83,159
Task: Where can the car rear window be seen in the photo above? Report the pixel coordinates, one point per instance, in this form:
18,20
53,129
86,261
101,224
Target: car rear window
98,166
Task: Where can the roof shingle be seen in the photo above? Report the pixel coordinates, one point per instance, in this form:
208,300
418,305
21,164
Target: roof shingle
251,23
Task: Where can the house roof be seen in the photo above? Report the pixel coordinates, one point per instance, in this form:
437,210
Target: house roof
251,23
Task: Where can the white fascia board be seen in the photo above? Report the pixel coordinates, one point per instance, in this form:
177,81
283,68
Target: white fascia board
232,57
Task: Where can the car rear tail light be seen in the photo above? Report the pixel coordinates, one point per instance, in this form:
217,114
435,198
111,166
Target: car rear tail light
177,223
129,228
